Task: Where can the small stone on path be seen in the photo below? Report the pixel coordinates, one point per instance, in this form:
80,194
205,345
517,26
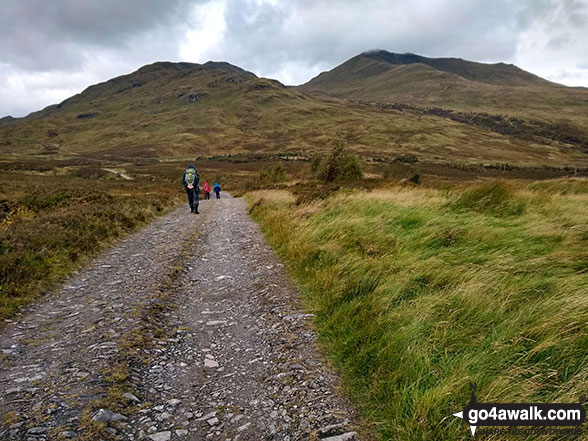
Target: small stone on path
212,422
108,415
161,436
210,363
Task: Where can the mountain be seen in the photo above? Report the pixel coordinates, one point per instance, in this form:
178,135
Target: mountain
137,79
7,120
376,62
453,83
177,111
227,67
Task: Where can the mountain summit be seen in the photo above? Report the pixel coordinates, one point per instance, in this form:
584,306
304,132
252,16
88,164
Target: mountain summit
499,74
377,62
452,84
157,73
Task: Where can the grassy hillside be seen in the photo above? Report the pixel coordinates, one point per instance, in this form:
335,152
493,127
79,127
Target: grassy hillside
177,111
418,291
452,83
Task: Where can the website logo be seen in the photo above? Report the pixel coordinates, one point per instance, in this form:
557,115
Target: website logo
518,414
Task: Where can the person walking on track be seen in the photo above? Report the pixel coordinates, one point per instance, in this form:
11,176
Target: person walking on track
190,180
206,190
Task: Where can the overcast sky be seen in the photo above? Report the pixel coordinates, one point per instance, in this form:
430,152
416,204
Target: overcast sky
50,50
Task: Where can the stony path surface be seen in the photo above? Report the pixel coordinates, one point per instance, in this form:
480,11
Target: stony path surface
188,330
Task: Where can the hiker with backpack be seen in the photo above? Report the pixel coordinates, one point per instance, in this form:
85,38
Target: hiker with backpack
206,190
217,190
190,180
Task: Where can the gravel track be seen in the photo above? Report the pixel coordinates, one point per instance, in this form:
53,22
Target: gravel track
188,330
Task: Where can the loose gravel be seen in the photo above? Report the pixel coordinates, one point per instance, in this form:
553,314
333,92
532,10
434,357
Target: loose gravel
187,330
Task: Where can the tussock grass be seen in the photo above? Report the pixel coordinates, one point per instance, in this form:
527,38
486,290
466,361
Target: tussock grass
495,198
562,186
419,291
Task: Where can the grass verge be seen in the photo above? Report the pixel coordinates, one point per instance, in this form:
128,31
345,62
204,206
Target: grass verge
418,292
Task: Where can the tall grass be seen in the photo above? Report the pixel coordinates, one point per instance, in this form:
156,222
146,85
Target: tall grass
496,198
417,292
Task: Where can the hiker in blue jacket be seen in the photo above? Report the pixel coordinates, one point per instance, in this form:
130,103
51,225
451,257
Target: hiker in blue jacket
190,180
216,190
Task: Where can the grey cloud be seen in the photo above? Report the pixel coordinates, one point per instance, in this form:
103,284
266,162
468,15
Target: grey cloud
564,74
324,33
577,13
79,42
558,42
43,35
557,14
531,11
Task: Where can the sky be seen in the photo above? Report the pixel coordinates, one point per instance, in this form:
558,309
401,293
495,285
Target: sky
51,50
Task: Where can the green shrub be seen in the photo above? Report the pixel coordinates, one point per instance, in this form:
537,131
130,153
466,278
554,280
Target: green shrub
338,165
273,174
92,172
415,179
407,159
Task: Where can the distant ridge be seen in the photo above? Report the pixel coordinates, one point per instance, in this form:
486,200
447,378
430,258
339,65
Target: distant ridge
228,67
7,120
167,111
379,76
374,64
142,76
500,74
188,67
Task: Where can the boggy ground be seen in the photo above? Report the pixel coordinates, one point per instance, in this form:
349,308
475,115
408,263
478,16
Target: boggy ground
189,329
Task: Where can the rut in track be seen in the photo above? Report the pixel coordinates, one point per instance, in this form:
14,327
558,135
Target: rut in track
187,330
